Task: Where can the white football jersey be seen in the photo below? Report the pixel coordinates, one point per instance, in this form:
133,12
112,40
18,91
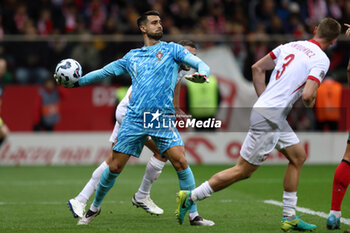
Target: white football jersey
295,63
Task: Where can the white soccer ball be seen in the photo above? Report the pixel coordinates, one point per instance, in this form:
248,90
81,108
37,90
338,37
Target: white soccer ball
69,69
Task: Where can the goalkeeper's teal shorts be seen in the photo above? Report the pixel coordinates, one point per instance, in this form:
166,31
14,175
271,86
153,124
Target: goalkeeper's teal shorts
132,137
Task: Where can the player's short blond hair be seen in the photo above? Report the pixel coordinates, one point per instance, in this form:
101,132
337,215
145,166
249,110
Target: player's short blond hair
328,29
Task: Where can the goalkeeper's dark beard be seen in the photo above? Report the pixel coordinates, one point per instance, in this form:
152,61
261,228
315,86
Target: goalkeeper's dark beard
155,36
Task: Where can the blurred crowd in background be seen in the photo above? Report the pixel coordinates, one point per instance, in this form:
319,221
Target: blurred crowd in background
250,29
249,23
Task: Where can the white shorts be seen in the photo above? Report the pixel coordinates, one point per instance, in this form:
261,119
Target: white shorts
113,137
119,116
265,135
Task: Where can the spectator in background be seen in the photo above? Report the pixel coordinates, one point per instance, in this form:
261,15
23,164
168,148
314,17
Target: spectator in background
45,22
110,26
264,11
346,12
5,76
276,26
335,9
318,10
216,20
70,14
31,57
21,17
86,53
2,30
283,12
58,49
130,16
97,16
296,28
256,47
47,113
328,104
183,15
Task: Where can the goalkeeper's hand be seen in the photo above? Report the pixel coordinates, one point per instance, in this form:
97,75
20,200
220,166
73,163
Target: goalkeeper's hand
64,83
197,78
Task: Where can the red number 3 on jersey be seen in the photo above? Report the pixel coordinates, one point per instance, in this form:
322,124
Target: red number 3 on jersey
288,60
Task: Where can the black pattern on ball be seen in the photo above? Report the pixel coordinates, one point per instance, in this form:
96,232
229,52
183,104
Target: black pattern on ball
65,77
65,66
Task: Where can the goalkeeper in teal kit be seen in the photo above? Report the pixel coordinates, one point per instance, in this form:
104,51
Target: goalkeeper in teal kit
153,69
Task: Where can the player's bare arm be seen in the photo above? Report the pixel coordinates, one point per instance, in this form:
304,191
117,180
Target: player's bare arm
259,73
309,93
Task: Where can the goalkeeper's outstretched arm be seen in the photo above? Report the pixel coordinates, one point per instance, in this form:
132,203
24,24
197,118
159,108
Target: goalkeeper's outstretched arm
197,63
203,69
112,69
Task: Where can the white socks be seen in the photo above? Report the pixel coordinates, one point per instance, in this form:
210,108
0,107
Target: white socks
201,192
193,215
336,213
289,203
94,208
92,184
153,169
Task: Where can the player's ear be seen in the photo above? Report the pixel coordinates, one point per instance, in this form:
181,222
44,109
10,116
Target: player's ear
315,30
142,28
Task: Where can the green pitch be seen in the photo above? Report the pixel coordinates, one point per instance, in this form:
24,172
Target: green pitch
33,200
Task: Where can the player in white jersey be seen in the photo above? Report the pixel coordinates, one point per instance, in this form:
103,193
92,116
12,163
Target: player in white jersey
298,68
153,168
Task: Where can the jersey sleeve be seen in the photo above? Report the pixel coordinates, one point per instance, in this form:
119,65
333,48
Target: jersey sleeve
319,70
275,53
197,63
179,52
182,55
115,68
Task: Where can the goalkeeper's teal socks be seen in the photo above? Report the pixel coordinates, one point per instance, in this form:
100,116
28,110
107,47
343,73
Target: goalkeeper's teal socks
107,181
186,180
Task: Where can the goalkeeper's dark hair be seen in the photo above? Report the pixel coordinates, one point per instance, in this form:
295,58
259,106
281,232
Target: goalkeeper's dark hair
188,43
143,18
